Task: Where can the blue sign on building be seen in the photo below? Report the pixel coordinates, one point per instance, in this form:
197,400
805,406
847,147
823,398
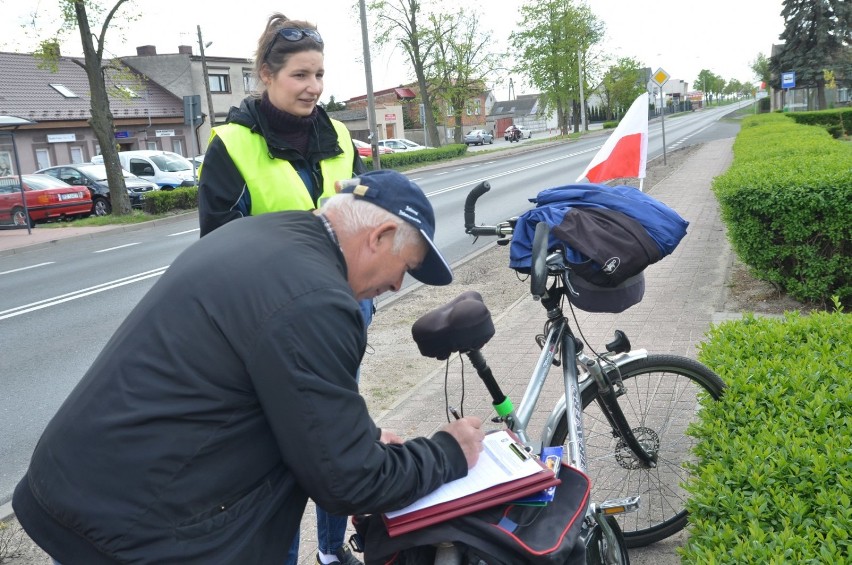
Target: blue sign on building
122,134
788,80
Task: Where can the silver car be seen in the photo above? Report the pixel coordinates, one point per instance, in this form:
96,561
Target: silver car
479,137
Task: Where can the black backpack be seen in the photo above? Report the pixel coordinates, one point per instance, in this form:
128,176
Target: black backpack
502,535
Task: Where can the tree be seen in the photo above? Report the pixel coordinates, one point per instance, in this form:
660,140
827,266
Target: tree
333,105
761,68
552,35
75,14
460,64
816,38
399,22
621,85
710,84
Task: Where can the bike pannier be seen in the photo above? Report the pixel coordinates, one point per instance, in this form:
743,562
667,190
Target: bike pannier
503,535
609,236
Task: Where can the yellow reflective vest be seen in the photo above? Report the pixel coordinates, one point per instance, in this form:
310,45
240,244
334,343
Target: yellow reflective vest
273,184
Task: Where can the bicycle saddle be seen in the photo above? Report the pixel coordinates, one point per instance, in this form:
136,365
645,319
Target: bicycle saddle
462,324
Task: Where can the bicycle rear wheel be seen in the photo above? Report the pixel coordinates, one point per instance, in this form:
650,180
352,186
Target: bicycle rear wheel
660,400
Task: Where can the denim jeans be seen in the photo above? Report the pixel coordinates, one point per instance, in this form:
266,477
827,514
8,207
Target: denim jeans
331,529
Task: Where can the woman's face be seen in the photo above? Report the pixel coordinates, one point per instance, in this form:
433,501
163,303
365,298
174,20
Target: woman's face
297,87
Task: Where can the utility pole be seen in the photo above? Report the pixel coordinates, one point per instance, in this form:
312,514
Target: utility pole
211,114
583,125
371,100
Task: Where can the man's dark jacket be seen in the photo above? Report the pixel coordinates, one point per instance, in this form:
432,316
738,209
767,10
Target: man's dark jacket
225,399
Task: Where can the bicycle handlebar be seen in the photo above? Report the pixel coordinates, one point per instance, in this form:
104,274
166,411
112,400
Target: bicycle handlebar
501,230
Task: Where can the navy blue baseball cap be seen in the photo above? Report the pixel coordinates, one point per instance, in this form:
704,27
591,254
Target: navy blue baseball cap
395,193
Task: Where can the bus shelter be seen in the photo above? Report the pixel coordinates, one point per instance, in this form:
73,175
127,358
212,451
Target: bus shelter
10,166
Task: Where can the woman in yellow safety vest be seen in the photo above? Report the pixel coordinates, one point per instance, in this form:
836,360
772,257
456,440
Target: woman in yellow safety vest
280,151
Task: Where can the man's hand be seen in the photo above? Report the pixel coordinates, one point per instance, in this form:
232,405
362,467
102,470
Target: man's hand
467,432
390,437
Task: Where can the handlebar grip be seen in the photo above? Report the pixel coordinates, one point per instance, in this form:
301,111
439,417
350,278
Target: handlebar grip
470,204
538,272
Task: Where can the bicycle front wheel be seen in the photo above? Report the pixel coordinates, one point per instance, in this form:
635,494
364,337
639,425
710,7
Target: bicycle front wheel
660,399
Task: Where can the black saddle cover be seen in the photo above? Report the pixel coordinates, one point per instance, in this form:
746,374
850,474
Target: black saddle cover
462,324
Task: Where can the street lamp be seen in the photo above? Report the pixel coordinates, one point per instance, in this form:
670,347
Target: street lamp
201,45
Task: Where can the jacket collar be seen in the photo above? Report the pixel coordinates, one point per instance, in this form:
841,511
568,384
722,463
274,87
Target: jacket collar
323,140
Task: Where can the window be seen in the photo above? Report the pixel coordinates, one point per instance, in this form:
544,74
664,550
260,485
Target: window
141,168
77,155
42,158
6,167
249,81
64,90
219,81
152,145
450,110
177,146
127,91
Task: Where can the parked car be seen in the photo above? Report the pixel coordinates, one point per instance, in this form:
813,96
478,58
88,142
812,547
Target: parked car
47,198
399,144
197,161
168,170
365,150
478,137
525,133
94,177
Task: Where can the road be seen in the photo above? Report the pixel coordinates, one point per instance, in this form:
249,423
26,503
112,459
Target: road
59,305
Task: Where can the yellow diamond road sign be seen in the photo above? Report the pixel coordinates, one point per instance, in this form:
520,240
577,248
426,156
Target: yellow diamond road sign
660,77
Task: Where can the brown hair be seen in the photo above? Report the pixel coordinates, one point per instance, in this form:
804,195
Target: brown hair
274,53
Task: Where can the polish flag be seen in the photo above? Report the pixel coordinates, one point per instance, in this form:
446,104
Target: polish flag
625,153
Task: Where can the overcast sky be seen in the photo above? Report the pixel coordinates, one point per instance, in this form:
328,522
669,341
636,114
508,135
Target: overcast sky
724,36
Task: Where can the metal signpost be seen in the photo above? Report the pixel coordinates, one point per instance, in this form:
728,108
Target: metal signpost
192,114
661,77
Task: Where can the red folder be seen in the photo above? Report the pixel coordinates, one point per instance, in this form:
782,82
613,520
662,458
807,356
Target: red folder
493,496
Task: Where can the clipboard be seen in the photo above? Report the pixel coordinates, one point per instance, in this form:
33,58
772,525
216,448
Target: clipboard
505,472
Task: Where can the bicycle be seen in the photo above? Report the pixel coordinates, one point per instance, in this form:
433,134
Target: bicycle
639,406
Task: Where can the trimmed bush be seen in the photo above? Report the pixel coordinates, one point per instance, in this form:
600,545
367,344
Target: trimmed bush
164,201
410,158
838,122
786,201
773,477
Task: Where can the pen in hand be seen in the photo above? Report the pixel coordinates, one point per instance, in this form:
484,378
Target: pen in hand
455,413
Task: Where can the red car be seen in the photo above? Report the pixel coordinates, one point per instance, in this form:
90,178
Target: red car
48,198
364,149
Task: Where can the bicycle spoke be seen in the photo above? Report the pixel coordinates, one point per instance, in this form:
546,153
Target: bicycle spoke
660,400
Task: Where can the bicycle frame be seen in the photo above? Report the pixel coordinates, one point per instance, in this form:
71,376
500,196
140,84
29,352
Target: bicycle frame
561,344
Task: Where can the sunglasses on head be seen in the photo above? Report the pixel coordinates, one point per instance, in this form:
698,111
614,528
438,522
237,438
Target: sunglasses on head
293,34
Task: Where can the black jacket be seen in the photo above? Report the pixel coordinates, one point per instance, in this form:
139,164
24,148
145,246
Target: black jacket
224,400
222,194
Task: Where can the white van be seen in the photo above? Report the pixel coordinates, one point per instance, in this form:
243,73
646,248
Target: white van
168,170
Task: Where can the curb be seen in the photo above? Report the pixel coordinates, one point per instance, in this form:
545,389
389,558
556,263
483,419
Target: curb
93,234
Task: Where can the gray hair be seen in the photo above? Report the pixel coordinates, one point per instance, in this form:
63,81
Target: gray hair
355,214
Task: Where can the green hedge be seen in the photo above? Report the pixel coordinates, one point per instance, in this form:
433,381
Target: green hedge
773,478
410,158
786,201
838,122
164,201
